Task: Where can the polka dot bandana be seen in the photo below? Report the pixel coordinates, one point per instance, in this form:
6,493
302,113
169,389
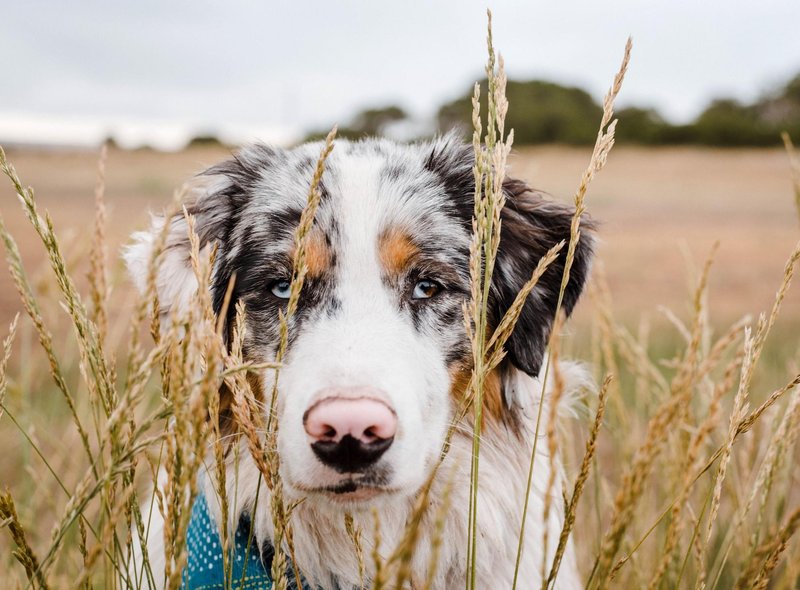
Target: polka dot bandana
204,567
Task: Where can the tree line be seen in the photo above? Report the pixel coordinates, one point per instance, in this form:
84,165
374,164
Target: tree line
545,112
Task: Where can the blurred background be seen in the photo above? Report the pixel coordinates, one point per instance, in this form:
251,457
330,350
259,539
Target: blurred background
173,87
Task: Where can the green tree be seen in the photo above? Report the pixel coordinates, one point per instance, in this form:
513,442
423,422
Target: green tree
367,123
205,140
641,125
539,112
726,122
375,121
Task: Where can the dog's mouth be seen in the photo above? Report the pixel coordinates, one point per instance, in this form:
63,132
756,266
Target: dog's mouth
352,491
360,489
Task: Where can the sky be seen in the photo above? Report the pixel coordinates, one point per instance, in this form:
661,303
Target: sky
156,72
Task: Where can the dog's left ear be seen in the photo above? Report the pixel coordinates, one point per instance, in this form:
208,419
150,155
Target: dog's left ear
531,225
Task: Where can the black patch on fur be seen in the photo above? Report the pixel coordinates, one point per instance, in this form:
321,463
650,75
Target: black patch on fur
285,221
245,168
393,172
218,213
531,225
452,161
304,164
333,307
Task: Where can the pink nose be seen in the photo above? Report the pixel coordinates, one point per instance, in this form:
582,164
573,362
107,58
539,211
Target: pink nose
365,419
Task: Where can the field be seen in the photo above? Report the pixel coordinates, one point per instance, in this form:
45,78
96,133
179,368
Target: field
661,211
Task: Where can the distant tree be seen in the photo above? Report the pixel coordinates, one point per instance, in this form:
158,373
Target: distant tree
792,89
545,112
726,122
641,125
781,110
678,134
110,142
375,121
539,112
205,140
367,123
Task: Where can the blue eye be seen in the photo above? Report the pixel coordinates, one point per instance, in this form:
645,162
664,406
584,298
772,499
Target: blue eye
281,289
425,289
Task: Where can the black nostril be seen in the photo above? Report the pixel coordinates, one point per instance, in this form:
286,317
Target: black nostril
350,455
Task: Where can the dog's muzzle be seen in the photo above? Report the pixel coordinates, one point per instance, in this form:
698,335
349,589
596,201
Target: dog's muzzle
350,430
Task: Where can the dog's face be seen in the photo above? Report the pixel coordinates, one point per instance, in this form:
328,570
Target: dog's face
378,357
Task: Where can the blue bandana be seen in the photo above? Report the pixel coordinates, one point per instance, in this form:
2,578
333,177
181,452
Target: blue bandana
251,565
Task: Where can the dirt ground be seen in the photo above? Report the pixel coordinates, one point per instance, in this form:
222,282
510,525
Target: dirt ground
660,212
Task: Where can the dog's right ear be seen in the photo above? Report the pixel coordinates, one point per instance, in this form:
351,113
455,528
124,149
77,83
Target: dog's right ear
214,198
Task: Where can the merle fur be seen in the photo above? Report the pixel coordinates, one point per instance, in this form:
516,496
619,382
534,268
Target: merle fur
531,225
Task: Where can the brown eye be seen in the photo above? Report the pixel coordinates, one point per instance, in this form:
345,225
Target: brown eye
425,289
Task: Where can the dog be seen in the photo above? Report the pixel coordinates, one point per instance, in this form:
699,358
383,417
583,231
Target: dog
378,358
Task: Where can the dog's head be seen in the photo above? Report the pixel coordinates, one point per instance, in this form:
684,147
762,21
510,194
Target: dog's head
378,357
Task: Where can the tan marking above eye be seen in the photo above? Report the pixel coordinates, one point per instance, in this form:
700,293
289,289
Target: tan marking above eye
396,251
318,254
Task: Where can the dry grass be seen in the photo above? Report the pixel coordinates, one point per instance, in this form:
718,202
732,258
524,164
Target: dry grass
794,161
688,476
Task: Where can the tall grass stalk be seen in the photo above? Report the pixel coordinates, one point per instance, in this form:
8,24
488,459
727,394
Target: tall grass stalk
570,514
794,163
281,512
24,553
20,280
489,172
247,412
602,147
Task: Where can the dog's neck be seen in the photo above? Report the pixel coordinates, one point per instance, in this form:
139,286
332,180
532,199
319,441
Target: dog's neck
327,556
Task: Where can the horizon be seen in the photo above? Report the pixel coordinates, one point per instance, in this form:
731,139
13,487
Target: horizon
245,72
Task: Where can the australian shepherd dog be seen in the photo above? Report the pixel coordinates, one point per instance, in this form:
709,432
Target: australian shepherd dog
378,357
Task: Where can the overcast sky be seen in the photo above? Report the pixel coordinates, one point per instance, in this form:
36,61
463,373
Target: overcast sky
156,71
